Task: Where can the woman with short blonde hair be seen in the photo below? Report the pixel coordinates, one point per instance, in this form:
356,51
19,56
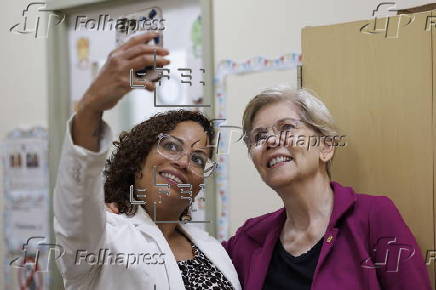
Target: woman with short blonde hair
313,111
326,236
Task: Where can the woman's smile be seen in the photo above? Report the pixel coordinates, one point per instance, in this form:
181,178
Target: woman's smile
278,160
173,176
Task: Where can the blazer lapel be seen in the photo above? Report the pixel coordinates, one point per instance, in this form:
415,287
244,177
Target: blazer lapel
329,240
344,199
266,234
259,265
143,222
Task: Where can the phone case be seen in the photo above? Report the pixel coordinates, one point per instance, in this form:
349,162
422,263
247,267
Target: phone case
149,19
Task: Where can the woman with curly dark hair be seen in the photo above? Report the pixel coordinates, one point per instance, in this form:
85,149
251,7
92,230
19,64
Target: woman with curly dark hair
154,173
127,163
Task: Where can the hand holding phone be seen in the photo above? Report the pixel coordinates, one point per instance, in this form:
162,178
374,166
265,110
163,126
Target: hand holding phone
137,23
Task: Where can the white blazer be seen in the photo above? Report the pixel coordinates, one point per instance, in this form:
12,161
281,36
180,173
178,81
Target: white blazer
110,251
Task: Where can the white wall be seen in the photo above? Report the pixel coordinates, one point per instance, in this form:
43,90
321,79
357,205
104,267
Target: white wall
23,85
249,28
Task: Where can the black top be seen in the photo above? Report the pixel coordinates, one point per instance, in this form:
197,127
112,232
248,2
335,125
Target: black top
289,272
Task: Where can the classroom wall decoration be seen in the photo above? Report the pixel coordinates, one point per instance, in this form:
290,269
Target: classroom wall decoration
224,69
26,207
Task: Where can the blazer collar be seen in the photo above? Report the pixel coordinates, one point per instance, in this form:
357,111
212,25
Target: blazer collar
139,217
142,219
208,245
270,225
344,199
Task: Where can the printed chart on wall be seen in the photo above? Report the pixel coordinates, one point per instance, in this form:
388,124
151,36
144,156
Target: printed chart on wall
26,207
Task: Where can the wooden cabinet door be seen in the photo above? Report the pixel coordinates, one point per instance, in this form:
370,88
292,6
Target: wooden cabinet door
433,37
379,88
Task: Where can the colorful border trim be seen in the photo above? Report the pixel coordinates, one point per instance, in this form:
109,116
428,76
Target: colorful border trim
224,69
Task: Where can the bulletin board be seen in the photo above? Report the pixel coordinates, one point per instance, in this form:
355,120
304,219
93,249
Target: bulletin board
76,54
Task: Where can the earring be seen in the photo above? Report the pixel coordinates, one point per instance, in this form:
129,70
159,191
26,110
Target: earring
138,175
186,215
186,218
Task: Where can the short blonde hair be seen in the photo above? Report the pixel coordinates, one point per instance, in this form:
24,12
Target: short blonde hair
311,110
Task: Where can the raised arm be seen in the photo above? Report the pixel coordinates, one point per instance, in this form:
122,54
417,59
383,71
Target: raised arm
79,214
79,217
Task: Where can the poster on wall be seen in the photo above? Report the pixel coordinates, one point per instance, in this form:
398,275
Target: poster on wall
24,155
25,162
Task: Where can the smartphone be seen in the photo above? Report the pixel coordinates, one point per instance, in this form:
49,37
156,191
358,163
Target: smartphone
147,20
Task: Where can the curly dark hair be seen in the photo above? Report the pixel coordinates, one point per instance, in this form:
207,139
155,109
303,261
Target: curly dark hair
133,147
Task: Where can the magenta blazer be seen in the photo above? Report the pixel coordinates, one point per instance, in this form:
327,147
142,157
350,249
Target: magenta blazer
367,245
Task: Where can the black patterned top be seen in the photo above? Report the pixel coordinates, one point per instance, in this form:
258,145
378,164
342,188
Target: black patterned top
199,273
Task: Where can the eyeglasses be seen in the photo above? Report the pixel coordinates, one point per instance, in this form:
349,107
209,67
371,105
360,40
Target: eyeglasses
172,148
283,128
